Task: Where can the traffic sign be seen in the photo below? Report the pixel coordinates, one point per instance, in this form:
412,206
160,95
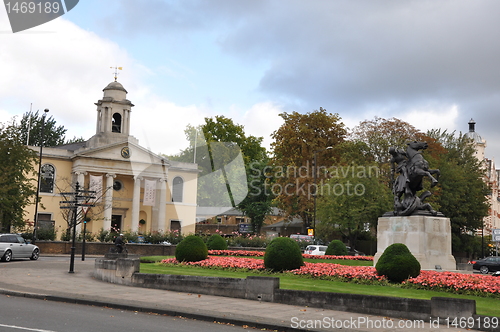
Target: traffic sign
496,238
245,228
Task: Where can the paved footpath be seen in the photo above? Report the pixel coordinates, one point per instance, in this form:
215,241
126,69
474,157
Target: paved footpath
49,278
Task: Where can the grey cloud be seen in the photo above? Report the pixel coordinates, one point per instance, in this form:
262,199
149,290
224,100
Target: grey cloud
349,56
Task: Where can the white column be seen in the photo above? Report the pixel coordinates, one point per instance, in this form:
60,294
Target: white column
126,121
136,204
108,201
162,208
106,123
98,123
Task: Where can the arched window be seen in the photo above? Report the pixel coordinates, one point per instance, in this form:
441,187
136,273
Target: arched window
47,176
116,126
177,189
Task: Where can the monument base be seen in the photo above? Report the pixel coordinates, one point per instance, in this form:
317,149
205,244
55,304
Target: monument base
427,237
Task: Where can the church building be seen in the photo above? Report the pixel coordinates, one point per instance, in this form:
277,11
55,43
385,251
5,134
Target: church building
135,189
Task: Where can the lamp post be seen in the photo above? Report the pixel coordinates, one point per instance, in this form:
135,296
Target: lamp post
35,224
315,176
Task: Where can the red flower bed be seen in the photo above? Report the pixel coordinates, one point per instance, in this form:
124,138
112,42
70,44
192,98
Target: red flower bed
354,258
456,282
310,269
236,253
337,270
474,284
261,254
224,262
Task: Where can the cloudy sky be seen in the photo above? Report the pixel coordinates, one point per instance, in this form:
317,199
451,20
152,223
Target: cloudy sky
433,63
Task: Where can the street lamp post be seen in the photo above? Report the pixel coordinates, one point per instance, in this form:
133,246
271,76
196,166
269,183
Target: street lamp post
315,176
35,224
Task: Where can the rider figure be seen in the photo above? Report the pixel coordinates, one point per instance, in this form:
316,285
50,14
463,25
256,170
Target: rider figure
119,243
399,165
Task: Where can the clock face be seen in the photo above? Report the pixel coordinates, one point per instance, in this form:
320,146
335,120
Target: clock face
125,152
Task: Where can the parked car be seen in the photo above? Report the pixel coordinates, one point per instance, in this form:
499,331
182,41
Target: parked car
13,246
486,265
315,250
354,252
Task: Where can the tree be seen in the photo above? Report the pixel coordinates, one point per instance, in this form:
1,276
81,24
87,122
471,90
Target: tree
380,134
354,196
223,153
30,130
17,171
258,203
462,197
222,129
296,142
75,140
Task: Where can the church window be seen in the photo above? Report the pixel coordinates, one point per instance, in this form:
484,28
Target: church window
116,127
47,178
177,189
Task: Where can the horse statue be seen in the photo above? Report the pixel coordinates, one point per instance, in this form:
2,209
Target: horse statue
412,169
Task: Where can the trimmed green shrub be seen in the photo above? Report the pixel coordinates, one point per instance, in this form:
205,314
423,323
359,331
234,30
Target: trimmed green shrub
216,242
337,248
191,249
397,263
283,254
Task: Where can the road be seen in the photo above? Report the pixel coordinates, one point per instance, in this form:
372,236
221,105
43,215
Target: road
24,314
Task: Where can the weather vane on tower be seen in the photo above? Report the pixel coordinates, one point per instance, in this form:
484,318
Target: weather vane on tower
116,71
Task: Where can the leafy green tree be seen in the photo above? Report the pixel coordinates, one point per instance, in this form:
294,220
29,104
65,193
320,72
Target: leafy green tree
259,201
223,153
75,140
17,188
463,192
31,125
354,196
296,143
222,129
380,134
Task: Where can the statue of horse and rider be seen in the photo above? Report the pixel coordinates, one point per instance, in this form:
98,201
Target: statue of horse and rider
411,168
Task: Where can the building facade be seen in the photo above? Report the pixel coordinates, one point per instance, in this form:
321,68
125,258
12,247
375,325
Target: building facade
135,189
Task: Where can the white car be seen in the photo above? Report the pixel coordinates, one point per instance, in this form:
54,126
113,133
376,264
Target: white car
315,250
13,246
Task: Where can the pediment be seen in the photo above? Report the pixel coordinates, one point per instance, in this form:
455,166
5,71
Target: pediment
121,158
123,151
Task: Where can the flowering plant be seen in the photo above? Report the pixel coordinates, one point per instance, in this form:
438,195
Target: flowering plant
261,254
473,284
454,282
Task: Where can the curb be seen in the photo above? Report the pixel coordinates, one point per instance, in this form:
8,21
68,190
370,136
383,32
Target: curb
175,313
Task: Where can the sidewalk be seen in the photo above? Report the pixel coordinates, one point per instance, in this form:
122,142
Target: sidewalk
48,278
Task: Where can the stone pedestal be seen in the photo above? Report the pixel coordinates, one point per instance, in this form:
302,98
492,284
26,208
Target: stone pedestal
427,237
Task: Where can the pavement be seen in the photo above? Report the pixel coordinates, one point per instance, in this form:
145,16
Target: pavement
48,278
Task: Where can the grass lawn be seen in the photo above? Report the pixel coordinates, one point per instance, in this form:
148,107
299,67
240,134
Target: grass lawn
484,305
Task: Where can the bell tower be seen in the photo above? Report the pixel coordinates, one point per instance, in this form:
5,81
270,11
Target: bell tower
113,116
